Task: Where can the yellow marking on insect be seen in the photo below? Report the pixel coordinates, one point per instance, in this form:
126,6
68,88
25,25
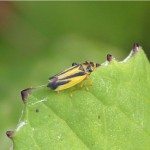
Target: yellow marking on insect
72,76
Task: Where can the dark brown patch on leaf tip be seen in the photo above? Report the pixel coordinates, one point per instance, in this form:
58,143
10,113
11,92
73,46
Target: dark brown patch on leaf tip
135,47
9,134
25,93
109,57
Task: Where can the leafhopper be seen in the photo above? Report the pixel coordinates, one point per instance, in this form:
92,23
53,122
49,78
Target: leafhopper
72,76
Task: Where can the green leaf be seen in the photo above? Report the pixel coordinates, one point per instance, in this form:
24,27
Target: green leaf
112,114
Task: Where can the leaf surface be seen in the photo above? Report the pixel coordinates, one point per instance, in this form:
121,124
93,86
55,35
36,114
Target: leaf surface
112,114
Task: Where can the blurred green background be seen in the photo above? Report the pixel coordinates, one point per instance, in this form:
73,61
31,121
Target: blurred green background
39,39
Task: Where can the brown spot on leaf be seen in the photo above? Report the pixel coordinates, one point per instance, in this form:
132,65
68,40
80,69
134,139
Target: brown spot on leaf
10,133
135,47
37,110
109,57
25,93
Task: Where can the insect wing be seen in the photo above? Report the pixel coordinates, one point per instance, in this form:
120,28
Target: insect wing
70,71
69,82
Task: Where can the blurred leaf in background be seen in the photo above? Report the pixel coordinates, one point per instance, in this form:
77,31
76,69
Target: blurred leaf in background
39,39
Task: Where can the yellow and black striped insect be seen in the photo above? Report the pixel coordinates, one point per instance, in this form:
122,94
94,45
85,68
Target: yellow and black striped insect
72,76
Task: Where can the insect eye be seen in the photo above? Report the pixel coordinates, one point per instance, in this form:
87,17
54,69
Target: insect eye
89,69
